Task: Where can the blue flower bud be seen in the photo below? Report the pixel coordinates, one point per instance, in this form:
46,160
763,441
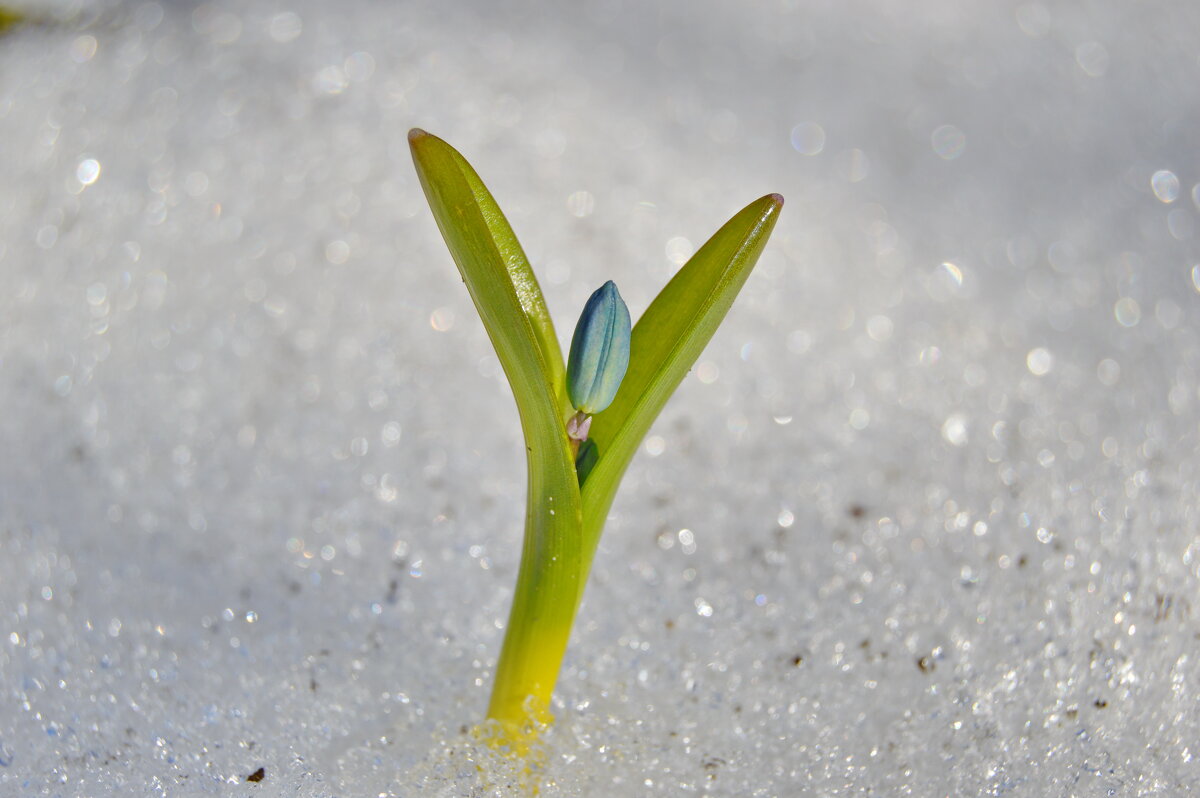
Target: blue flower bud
599,351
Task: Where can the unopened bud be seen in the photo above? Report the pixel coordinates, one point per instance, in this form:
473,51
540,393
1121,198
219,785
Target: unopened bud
599,351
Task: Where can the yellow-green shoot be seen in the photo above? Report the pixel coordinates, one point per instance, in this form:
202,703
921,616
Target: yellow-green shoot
565,508
9,17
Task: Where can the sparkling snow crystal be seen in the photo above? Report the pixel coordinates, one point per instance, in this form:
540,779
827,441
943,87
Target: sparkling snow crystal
922,521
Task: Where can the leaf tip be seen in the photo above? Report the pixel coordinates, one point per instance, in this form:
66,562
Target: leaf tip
416,134
777,199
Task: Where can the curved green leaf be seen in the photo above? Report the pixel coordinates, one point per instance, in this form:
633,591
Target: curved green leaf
666,341
509,301
488,255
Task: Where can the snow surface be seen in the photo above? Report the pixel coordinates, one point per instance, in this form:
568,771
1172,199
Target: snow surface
923,521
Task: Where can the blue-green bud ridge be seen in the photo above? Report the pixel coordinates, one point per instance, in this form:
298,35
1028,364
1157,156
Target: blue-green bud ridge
599,351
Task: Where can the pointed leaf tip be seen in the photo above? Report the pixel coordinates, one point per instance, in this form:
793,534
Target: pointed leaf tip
416,134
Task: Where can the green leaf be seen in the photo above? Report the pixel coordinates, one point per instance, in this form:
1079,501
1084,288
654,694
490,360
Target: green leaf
666,341
510,303
490,258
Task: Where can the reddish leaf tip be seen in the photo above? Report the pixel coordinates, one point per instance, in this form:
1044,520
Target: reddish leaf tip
416,134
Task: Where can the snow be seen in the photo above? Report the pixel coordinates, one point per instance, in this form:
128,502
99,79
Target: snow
923,521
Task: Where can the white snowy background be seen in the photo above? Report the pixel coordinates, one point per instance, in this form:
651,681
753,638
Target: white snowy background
922,521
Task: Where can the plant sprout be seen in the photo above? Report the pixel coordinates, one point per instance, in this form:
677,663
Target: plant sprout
582,423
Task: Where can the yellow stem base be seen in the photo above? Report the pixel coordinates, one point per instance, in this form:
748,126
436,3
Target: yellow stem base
518,743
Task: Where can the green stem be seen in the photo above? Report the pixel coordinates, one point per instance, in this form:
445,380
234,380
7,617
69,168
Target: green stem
549,582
